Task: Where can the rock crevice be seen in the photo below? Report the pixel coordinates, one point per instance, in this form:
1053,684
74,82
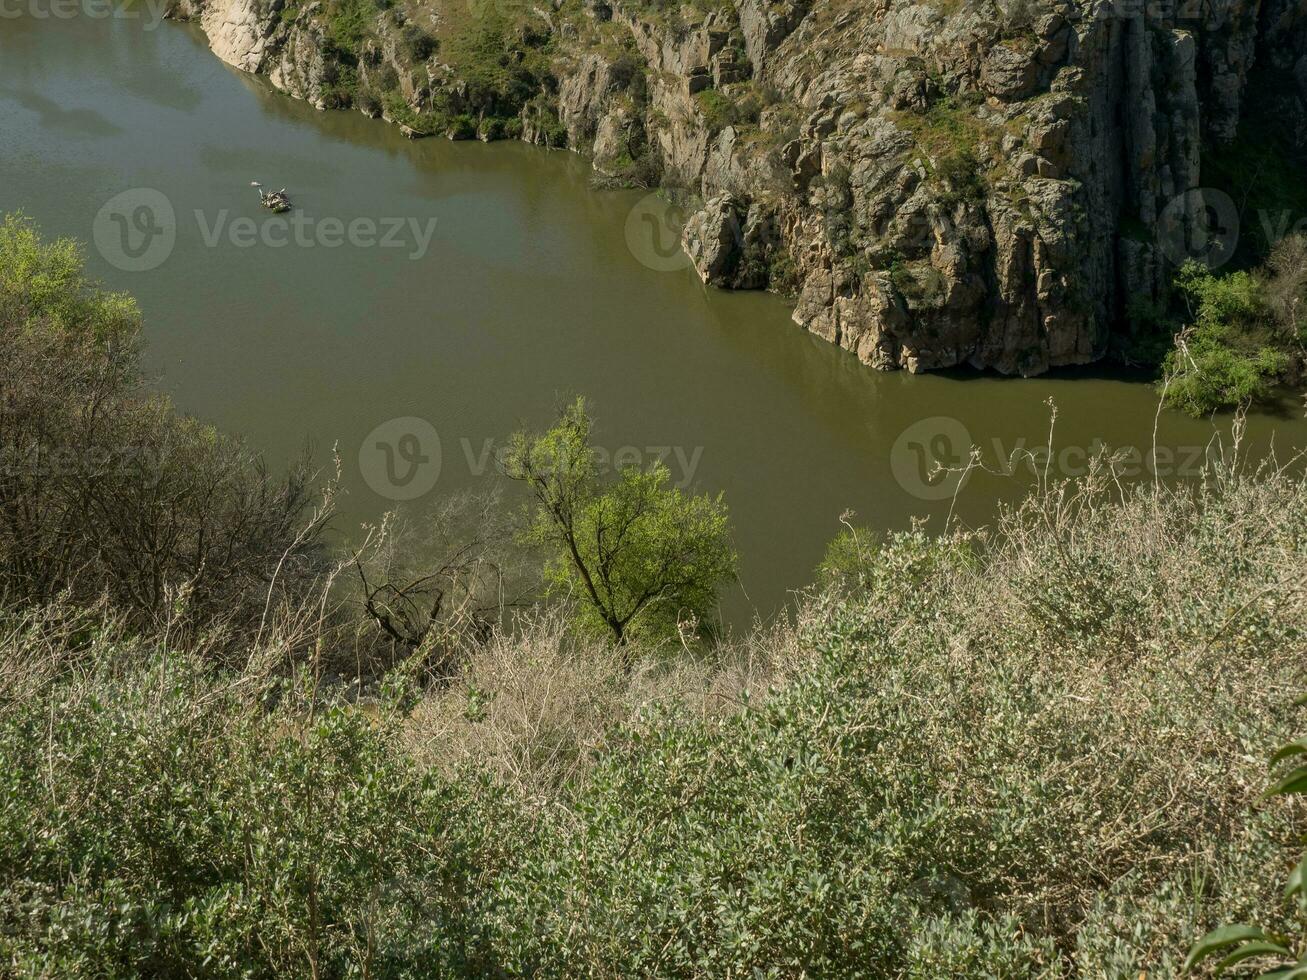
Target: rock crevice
938,184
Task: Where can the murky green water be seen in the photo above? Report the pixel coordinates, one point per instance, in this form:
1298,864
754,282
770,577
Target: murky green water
531,286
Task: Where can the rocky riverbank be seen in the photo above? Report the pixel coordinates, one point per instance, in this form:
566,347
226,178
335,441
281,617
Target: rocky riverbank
983,183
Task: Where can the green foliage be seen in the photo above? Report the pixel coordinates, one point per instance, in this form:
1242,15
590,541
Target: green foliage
950,133
418,44
961,174
628,74
349,24
836,196
42,287
859,560
849,558
107,492
546,122
971,762
1227,357
721,109
503,63
462,128
1237,944
398,110
642,556
204,827
934,770
783,274
1208,375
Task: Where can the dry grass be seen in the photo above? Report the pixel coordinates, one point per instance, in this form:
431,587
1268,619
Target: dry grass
535,703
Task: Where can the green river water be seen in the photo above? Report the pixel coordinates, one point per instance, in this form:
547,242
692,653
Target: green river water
431,297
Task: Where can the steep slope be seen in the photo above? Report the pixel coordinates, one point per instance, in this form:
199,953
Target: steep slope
939,184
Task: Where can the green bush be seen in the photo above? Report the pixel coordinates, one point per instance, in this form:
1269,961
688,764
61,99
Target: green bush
349,24
462,128
1035,754
720,109
169,823
1241,943
503,63
419,45
1227,357
105,491
990,751
950,134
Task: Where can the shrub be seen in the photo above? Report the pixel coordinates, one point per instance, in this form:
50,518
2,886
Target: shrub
1033,752
950,134
544,120
783,276
720,109
988,766
228,827
105,491
1239,944
1227,356
504,64
462,128
368,103
349,24
418,44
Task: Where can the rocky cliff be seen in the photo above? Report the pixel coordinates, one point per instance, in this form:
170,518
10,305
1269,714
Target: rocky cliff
957,182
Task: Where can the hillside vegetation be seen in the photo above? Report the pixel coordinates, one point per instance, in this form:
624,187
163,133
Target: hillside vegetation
1036,750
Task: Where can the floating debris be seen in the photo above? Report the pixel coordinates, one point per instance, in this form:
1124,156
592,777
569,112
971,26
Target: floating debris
276,201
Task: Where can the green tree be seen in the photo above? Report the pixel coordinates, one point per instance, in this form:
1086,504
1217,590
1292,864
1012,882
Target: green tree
1229,354
105,490
643,555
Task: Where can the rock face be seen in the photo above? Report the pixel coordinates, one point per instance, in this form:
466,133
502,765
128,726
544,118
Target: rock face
250,35
937,183
729,244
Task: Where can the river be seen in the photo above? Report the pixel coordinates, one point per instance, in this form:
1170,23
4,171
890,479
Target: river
428,298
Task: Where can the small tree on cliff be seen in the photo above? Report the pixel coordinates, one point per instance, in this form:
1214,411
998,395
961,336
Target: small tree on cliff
642,555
